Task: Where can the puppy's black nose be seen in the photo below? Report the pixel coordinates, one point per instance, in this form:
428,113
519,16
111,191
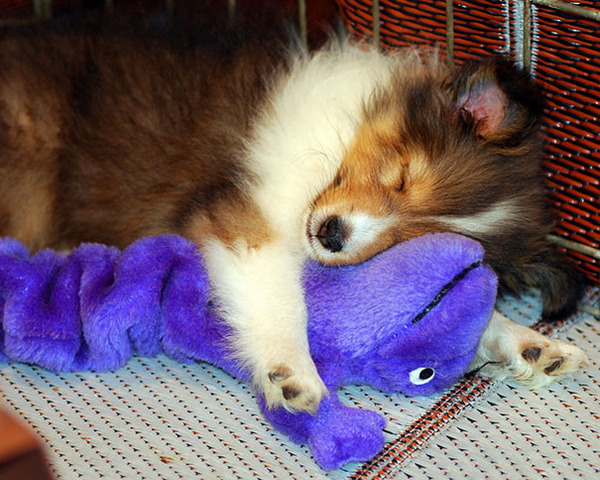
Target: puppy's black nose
331,234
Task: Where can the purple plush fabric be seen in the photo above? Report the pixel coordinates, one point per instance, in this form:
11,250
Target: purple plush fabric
409,321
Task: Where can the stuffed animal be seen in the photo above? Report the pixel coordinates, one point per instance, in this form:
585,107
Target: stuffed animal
409,320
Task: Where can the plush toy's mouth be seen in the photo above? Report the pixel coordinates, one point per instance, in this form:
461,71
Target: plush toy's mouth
445,289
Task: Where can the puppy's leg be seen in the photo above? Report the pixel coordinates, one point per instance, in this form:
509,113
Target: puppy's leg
526,355
260,295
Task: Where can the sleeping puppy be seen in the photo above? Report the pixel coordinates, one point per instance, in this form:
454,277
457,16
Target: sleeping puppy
266,155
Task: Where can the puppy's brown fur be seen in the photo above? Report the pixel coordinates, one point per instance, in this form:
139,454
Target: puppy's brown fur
107,138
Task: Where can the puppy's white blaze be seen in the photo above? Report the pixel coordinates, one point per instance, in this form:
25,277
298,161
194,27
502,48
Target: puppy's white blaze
504,212
364,230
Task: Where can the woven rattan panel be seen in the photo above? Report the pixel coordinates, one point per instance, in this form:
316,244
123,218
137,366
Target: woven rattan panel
479,26
566,63
157,419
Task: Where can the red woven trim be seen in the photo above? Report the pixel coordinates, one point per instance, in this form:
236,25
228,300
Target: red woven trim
416,436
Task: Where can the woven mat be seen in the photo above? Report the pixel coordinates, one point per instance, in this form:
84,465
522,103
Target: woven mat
157,419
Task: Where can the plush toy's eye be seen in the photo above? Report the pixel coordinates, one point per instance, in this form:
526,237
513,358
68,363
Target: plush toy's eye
421,376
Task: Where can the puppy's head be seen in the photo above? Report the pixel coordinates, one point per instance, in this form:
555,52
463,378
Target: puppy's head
437,149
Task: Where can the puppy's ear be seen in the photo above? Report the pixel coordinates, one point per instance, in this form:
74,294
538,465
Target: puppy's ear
500,102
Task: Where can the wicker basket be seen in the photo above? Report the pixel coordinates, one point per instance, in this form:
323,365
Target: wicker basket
558,43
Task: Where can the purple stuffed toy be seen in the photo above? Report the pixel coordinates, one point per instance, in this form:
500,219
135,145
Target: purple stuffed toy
409,320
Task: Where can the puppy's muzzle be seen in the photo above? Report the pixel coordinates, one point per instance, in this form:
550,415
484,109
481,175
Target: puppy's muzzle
332,234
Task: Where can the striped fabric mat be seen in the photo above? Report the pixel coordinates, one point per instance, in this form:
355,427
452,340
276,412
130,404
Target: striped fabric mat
157,419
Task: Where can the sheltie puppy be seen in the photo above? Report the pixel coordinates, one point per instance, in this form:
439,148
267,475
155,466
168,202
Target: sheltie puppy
266,155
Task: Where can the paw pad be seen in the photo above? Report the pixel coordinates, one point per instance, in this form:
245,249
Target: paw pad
531,354
554,366
290,393
279,375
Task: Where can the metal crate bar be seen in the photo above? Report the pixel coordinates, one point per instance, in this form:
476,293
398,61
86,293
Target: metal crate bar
42,8
376,25
526,35
450,31
560,5
303,22
576,247
570,8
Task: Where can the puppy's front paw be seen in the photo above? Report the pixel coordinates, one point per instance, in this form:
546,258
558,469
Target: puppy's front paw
546,361
293,388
